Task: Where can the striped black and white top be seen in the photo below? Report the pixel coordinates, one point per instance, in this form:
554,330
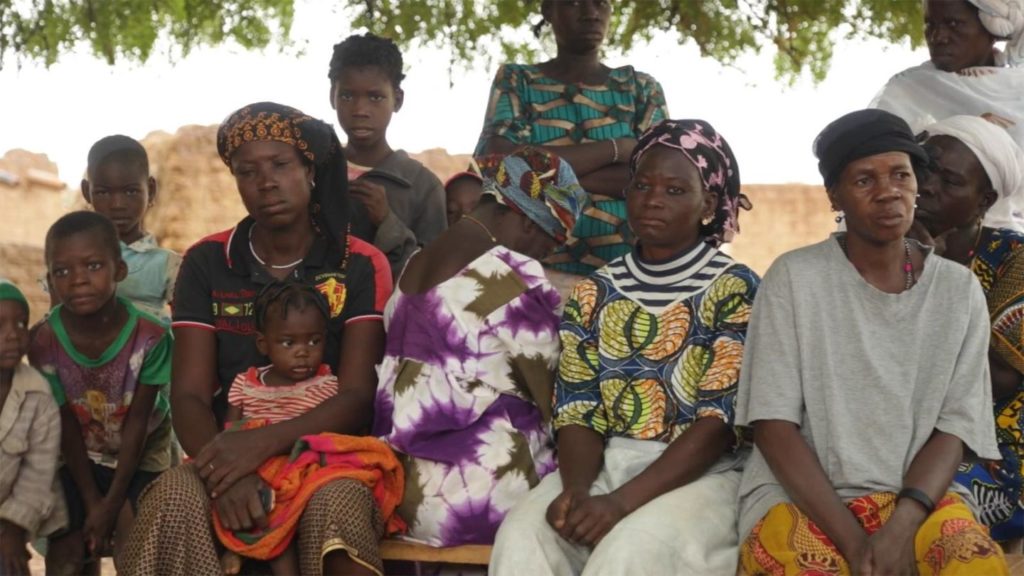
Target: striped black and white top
658,285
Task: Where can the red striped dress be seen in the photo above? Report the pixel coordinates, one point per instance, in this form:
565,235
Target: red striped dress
279,403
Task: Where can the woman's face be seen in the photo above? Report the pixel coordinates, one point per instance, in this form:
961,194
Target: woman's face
955,36
579,25
956,192
666,201
877,194
274,182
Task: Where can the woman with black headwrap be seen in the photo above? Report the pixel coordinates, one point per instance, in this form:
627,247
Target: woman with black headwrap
290,174
651,349
865,380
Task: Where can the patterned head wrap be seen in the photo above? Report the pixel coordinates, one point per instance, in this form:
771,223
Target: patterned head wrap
316,143
480,168
542,187
1000,157
10,291
719,171
1004,19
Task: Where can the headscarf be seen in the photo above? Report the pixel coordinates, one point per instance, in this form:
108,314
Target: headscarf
10,291
542,187
480,168
1004,19
713,158
1002,160
317,143
861,134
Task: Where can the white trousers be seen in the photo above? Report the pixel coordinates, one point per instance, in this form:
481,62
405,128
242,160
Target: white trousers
690,530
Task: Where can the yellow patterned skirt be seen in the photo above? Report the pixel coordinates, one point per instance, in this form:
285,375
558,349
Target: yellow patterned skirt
786,543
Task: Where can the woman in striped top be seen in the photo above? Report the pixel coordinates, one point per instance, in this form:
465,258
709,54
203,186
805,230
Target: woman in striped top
646,384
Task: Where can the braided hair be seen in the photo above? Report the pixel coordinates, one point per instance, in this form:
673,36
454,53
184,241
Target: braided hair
285,295
360,51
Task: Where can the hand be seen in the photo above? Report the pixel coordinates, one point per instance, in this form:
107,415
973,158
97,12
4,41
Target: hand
99,523
240,507
593,518
562,505
374,198
14,555
230,456
891,550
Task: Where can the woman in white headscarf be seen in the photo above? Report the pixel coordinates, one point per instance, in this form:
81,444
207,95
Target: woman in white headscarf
976,167
966,73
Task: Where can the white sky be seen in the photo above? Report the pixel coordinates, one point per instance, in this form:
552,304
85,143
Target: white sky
61,111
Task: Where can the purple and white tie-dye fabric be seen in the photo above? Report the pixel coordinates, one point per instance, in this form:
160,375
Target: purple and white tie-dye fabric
465,395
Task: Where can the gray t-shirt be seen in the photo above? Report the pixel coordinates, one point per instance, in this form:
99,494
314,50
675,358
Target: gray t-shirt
868,376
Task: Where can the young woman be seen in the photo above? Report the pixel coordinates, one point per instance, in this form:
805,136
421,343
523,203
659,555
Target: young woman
465,394
974,163
290,173
865,380
651,348
587,113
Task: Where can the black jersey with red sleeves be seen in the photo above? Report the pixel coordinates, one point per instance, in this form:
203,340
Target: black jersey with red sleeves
220,278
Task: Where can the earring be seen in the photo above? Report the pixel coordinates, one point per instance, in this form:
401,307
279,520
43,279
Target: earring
707,220
839,217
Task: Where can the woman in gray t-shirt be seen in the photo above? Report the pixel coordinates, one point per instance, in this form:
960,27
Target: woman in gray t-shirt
866,380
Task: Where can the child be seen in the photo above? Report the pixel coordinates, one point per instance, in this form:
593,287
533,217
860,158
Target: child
118,185
29,441
291,324
108,365
462,194
404,201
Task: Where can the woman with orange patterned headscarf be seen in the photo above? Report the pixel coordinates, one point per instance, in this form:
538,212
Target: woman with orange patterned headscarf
290,173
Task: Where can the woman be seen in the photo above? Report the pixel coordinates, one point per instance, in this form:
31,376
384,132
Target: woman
290,173
966,74
651,348
975,162
865,377
587,113
472,343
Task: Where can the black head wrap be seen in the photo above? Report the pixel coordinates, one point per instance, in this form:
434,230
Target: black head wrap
317,144
861,134
719,171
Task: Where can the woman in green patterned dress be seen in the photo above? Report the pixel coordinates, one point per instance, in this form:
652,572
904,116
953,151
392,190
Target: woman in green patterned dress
587,113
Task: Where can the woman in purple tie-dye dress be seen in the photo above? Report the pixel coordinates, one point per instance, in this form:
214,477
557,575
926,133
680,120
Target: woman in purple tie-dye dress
466,382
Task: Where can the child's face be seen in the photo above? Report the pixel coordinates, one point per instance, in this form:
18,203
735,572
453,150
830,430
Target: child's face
121,191
462,197
365,99
84,272
294,343
13,333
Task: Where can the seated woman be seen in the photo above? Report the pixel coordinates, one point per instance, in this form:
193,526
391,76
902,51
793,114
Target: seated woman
865,376
974,162
472,343
966,74
291,177
584,111
651,348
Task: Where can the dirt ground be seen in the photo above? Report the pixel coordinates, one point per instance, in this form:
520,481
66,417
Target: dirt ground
38,566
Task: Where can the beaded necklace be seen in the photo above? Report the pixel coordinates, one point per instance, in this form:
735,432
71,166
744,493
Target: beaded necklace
908,264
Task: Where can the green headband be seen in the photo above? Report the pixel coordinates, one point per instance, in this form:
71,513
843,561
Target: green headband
8,291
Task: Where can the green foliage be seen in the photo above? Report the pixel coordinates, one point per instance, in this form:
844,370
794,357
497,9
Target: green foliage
802,32
117,30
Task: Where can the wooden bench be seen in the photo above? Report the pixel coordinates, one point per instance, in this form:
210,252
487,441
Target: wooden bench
404,551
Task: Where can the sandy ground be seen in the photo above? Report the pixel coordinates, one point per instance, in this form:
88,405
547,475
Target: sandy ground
38,567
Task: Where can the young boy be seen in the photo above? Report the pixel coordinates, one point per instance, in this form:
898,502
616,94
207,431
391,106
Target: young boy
404,201
462,193
29,441
118,185
108,365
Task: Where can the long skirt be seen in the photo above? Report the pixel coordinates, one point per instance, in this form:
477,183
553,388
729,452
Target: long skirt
173,532
785,542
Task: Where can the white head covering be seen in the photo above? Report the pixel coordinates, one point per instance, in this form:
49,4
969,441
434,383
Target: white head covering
1002,159
1004,19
